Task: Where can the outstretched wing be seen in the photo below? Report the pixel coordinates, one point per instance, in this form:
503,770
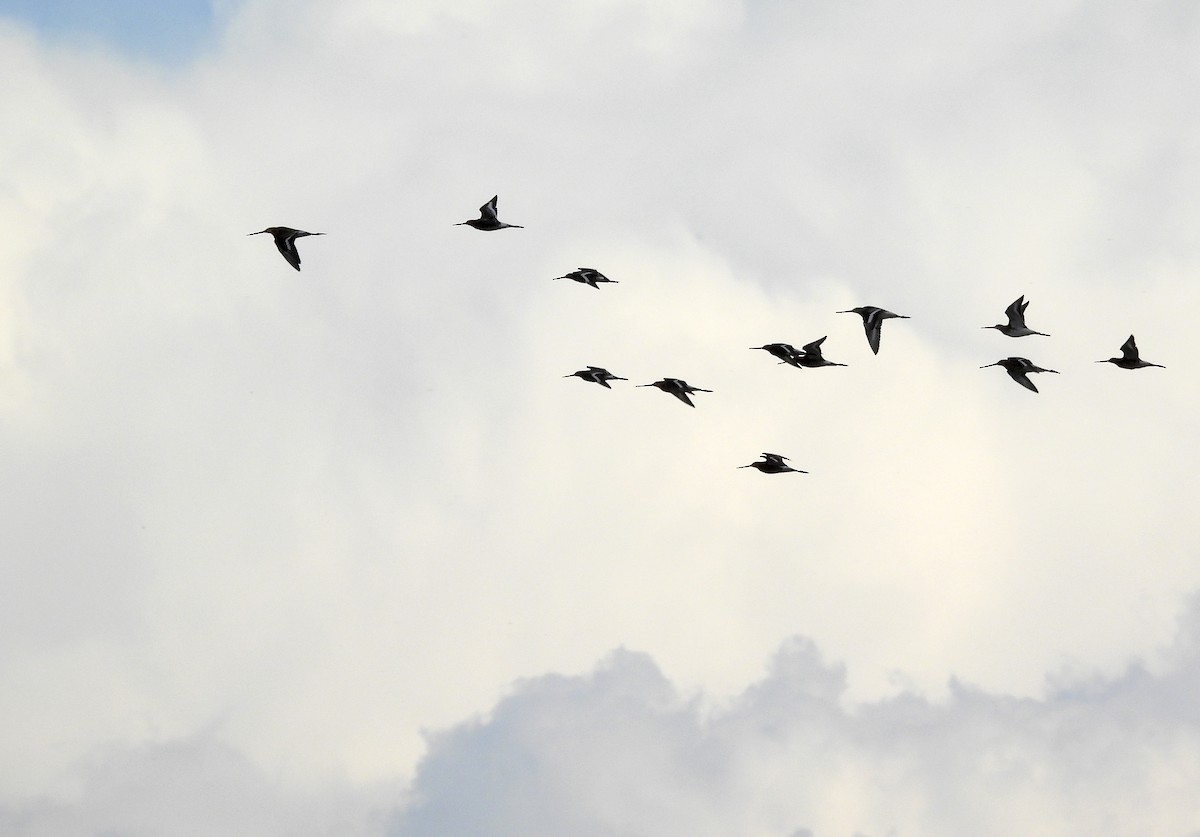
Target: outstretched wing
487,212
1129,350
1016,312
286,242
813,348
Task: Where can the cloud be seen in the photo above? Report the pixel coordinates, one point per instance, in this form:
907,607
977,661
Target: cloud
195,786
622,751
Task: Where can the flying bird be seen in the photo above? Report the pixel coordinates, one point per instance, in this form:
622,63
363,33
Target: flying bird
597,375
872,321
1018,368
588,276
1129,358
810,356
773,463
1016,320
285,240
679,388
786,352
487,219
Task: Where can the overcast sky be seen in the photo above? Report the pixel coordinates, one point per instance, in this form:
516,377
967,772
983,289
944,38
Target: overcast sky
342,551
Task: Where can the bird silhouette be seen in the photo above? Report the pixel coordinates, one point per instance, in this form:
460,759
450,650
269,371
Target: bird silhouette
487,219
786,352
677,387
597,375
1129,358
872,321
285,240
1016,320
773,463
810,356
588,276
1019,368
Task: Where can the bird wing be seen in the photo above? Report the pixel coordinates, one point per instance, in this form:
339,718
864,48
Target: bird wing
487,212
872,326
682,396
814,348
1021,378
1016,313
775,457
286,242
1129,349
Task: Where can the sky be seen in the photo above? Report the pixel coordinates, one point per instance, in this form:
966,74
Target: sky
343,552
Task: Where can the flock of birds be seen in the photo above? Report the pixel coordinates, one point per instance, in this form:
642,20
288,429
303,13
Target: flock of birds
808,356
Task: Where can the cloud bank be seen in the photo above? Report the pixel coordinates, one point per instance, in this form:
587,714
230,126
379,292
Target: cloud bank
622,751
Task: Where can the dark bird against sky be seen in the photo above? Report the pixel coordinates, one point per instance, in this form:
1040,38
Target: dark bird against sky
773,463
677,387
487,219
588,276
1015,327
285,240
810,356
1129,358
1019,368
872,321
597,375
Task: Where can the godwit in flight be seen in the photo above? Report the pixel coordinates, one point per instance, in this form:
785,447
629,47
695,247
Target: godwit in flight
873,318
810,356
679,388
1018,369
773,463
487,219
1016,320
588,276
285,240
1129,357
597,375
786,352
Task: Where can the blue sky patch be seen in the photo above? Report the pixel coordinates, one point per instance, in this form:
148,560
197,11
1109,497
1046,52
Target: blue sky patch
163,30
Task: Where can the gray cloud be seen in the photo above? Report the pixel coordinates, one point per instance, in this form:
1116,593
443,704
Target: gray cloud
622,751
192,787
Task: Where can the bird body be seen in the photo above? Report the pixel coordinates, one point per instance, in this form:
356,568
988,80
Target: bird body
285,240
773,463
1129,358
487,219
810,356
677,387
786,352
1019,368
597,375
588,276
873,318
1016,320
